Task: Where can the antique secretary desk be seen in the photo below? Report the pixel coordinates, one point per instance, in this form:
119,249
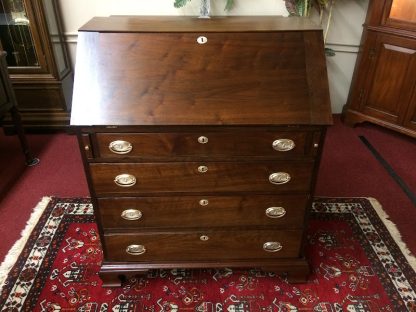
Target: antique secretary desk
201,139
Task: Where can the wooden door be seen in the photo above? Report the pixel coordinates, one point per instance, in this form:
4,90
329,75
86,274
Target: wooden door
410,118
388,86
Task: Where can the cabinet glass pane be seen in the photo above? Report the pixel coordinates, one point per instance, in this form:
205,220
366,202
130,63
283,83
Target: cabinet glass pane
16,35
404,10
54,33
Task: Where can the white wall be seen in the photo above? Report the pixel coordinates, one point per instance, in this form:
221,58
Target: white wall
344,35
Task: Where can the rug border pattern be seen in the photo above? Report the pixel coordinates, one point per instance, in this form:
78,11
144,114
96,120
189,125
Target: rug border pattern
380,250
47,226
362,221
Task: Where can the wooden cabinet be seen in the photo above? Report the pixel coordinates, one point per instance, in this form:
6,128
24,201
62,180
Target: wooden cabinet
383,90
31,34
201,140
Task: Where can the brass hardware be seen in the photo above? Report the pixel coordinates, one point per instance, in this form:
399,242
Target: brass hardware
279,178
125,180
272,246
202,169
202,40
204,202
316,145
204,238
120,147
283,145
203,140
86,147
275,212
131,214
135,250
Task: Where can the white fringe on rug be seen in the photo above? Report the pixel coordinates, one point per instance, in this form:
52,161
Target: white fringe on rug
18,246
392,228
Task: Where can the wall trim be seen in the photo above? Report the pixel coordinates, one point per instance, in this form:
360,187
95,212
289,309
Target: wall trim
343,47
71,37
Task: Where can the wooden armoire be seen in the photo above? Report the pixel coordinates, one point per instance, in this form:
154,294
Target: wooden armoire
383,90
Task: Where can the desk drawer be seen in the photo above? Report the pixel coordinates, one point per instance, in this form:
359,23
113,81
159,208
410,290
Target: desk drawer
276,144
285,211
202,245
205,177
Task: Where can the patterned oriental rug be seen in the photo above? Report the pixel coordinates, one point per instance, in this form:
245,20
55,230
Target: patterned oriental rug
356,266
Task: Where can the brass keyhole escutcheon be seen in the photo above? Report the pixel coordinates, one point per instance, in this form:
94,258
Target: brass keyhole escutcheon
202,169
204,238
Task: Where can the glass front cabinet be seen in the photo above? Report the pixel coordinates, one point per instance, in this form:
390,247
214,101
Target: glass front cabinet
37,58
383,89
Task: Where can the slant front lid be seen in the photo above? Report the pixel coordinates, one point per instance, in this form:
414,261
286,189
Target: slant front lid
192,76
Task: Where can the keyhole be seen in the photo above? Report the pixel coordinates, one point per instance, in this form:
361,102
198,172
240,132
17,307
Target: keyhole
202,40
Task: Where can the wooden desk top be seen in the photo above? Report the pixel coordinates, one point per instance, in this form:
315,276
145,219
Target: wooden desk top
151,71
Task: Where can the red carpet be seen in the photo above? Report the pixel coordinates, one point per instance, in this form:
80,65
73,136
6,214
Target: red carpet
356,264
59,173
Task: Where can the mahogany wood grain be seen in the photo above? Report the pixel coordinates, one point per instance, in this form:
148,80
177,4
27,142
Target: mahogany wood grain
187,212
185,178
238,24
170,79
249,142
383,88
388,98
147,80
221,245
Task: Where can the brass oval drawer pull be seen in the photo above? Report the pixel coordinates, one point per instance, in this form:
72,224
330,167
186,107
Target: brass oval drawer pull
275,212
279,178
283,145
131,214
204,238
202,169
135,250
203,140
125,180
120,147
272,246
204,202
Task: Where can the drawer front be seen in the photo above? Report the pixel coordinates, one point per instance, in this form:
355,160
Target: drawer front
139,178
190,246
213,144
284,211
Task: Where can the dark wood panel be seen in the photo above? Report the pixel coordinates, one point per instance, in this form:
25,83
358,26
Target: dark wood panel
221,245
232,143
383,80
40,98
153,82
170,79
391,86
203,211
231,24
410,118
185,177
